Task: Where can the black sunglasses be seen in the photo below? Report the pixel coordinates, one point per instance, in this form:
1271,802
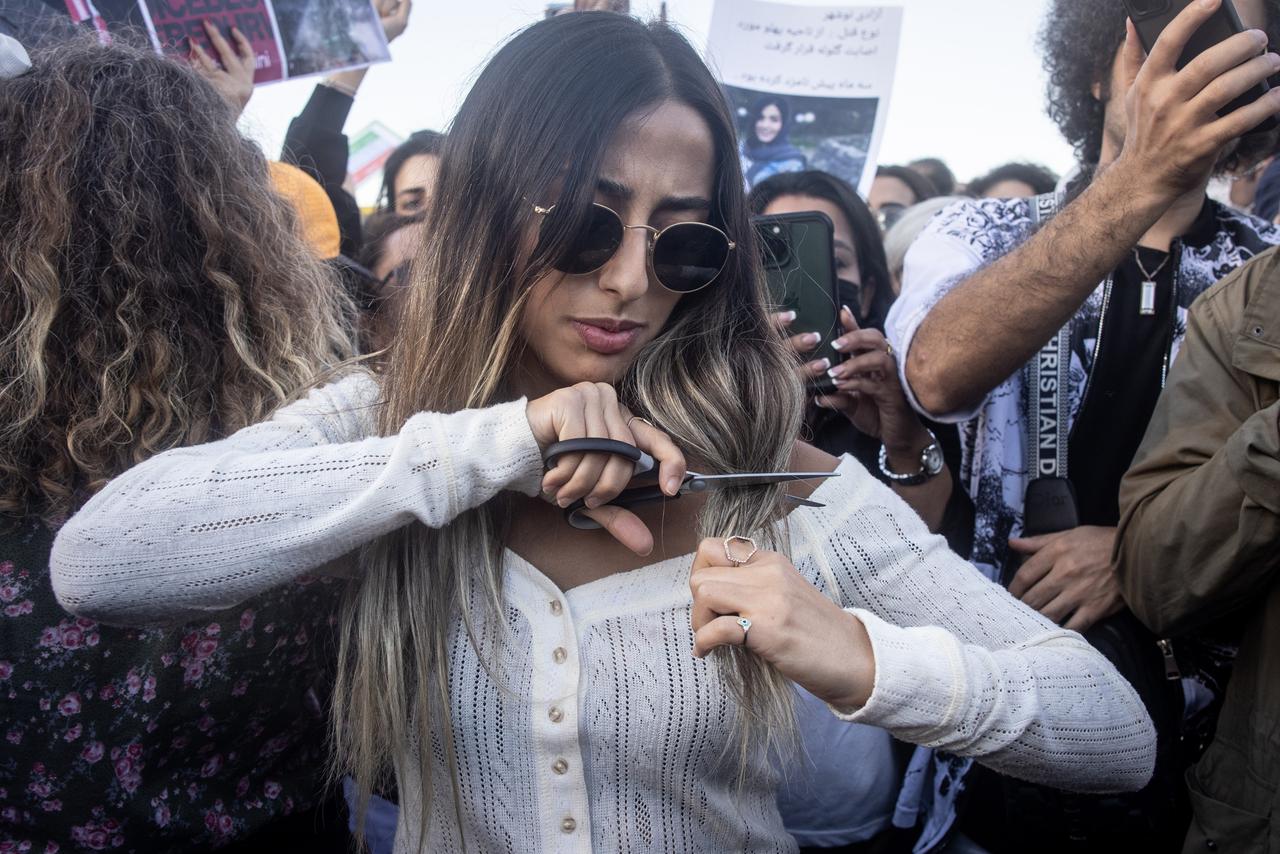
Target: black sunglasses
684,257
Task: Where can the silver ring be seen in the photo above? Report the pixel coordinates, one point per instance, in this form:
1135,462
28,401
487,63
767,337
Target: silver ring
641,420
888,348
739,561
745,624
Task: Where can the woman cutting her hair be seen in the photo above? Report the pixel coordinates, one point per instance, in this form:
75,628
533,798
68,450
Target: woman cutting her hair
534,687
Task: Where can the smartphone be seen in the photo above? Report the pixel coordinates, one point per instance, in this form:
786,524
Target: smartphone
798,251
1150,17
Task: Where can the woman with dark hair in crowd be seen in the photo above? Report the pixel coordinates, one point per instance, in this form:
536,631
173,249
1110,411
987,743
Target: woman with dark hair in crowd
156,294
766,145
826,802
531,685
411,172
895,189
1014,181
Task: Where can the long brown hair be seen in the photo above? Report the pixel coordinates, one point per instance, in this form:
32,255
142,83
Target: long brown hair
540,116
155,290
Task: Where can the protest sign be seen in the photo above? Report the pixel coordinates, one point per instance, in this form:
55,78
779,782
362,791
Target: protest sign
810,85
173,22
323,36
290,38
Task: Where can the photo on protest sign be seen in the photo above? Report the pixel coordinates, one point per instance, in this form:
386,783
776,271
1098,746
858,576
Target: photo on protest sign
320,36
809,85
289,38
791,133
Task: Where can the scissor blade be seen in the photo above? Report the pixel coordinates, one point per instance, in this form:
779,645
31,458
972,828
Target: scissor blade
802,502
703,482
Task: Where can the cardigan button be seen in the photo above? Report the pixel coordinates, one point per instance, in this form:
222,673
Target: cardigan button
568,825
560,766
559,655
556,714
556,607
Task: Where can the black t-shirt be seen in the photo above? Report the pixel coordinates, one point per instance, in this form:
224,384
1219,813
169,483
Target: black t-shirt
1124,385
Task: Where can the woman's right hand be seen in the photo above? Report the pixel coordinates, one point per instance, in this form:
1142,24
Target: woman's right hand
592,411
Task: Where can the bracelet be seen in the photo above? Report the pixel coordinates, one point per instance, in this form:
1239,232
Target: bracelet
349,91
931,463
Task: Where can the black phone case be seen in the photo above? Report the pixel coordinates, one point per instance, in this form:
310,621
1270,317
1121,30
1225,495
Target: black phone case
1224,24
798,253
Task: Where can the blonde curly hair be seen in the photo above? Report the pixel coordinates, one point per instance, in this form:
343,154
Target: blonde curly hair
155,291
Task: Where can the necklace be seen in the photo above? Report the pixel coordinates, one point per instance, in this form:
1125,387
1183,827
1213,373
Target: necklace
1148,304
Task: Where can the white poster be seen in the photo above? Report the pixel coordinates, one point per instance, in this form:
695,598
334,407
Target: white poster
809,85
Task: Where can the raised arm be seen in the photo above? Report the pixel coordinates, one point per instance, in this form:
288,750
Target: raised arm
315,141
954,360
1174,138
203,528
1200,509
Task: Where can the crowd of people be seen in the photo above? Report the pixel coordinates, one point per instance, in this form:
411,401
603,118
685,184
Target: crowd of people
326,531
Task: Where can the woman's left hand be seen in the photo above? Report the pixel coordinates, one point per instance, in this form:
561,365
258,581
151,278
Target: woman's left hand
869,389
232,72
802,633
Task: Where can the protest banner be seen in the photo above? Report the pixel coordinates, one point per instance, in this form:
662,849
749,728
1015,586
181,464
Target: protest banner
810,85
290,38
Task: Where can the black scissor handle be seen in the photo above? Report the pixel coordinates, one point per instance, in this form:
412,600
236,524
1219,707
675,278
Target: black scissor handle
644,465
644,462
576,515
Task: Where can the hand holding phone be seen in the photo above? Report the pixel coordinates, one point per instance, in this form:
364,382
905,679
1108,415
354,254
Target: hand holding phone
1151,17
1180,104
798,253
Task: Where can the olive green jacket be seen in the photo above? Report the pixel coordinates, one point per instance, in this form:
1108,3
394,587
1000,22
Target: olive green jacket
1199,540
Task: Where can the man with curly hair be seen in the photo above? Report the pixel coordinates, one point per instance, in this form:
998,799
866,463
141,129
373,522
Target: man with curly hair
1074,308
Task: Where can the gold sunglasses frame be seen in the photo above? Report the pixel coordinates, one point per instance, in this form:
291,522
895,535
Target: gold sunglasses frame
654,234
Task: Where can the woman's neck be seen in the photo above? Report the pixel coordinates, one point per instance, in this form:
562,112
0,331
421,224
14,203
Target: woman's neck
531,380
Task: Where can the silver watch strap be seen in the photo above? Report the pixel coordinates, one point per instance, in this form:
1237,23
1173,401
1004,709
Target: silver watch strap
913,478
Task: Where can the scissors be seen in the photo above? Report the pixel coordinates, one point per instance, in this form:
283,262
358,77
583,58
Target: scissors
644,488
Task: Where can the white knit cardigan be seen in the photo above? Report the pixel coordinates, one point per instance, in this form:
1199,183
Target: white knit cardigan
593,725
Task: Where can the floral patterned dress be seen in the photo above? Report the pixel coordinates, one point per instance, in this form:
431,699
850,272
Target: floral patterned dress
185,738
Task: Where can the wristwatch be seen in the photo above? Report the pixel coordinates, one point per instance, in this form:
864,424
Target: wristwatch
931,464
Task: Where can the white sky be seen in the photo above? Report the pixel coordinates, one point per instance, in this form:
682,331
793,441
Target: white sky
969,88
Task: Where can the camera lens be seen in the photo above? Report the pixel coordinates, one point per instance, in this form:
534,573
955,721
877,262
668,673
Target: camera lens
1147,8
775,248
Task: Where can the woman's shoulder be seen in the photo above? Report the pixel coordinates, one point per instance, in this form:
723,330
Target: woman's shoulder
851,493
807,458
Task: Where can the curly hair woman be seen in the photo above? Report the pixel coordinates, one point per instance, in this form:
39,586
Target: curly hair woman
155,295
532,686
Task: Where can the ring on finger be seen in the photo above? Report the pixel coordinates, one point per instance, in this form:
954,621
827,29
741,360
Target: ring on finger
745,625
635,418
747,542
888,348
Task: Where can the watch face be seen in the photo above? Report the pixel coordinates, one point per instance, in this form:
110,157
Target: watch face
932,460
